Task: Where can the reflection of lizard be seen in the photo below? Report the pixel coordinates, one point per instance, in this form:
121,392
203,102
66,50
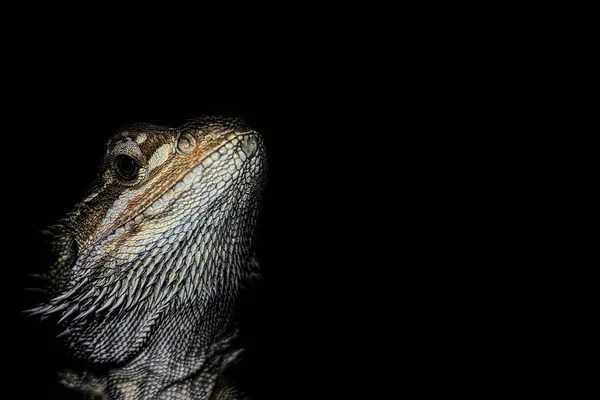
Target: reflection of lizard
151,261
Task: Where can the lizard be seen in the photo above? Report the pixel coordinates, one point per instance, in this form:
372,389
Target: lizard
150,263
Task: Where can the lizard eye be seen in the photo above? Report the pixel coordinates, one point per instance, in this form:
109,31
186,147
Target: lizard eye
127,167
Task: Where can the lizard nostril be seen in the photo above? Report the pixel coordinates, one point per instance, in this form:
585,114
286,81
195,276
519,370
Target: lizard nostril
249,146
186,143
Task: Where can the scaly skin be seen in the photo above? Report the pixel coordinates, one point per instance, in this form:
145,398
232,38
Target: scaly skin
150,263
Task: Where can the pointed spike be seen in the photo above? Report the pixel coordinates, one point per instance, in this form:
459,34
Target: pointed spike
122,295
84,314
124,288
167,294
105,305
143,295
100,296
232,358
56,308
150,282
157,294
189,288
172,292
182,276
107,281
130,297
162,277
87,296
47,233
164,293
182,295
64,333
55,227
36,310
172,277
146,263
70,292
133,287
69,313
117,304
114,290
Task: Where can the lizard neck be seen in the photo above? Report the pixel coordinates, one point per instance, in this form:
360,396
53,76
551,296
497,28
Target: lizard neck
190,349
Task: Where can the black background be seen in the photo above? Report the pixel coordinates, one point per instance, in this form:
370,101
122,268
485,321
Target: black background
309,317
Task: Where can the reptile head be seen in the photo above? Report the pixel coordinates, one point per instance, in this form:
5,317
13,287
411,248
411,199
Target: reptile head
167,225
